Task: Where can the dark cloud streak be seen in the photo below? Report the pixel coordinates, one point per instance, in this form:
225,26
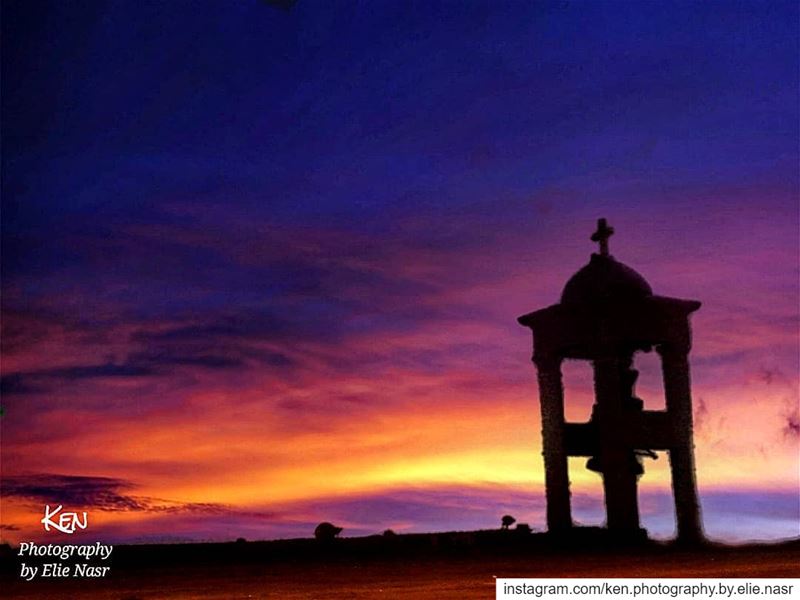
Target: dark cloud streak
97,493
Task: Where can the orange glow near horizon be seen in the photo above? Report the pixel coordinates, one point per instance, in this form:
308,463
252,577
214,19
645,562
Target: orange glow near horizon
254,462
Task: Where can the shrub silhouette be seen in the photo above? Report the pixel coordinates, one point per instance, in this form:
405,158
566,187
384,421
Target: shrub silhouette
325,531
523,528
389,533
507,521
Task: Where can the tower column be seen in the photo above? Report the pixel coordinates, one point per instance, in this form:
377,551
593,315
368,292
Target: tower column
677,389
617,460
551,396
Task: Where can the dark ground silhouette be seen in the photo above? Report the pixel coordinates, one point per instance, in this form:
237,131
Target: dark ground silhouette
441,565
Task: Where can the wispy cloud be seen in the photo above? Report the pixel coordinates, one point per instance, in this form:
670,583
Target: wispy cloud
96,493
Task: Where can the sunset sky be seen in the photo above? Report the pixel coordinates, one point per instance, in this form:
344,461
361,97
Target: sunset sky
261,268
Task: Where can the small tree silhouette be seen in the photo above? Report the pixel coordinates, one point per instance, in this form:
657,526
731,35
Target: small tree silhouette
507,521
326,532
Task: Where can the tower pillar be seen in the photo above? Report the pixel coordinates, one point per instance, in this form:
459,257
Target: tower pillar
677,389
617,460
551,400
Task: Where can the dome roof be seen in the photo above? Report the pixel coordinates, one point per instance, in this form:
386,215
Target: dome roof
605,280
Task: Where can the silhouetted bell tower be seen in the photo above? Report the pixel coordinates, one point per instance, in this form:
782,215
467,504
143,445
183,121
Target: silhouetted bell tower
607,313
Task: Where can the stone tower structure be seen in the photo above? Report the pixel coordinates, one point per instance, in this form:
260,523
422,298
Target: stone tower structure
607,314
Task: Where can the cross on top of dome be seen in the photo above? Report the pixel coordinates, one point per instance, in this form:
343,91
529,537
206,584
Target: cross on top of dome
601,235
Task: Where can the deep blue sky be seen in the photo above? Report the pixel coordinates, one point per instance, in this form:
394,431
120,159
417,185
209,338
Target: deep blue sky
368,113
